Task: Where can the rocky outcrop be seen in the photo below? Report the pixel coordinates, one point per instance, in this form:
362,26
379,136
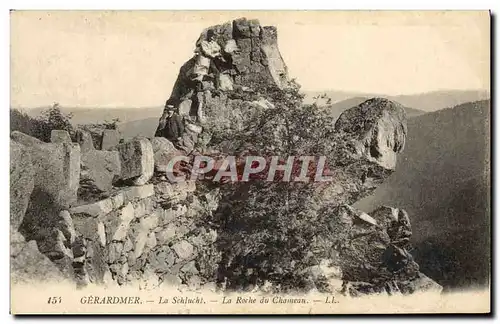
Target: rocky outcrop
57,168
362,151
55,172
145,231
85,140
28,264
377,128
373,253
137,161
110,138
21,182
250,57
367,140
101,169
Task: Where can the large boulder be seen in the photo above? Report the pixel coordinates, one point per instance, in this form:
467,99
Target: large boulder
110,138
57,168
85,140
22,175
137,161
56,174
377,129
368,138
100,168
373,254
28,265
25,139
164,151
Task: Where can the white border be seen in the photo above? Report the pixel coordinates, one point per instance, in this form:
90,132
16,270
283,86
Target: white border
207,4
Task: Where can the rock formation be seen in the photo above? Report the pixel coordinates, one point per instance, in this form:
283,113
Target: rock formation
373,253
384,124
84,138
110,217
250,56
27,263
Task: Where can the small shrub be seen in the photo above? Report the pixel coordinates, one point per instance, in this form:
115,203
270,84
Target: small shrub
41,126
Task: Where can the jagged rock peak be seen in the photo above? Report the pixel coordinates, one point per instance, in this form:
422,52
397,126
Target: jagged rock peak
253,49
231,56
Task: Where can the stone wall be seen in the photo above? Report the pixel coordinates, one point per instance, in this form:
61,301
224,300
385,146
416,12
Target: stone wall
103,217
143,235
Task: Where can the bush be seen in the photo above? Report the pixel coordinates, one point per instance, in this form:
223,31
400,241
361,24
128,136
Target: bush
270,230
41,126
97,129
53,118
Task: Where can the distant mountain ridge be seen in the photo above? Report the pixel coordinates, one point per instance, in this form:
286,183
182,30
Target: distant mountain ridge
96,115
337,108
427,102
143,120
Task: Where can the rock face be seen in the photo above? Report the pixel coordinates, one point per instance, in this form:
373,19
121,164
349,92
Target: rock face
364,148
100,169
38,191
84,138
21,182
137,161
163,150
57,168
373,251
56,174
110,138
28,265
250,56
369,138
151,233
378,128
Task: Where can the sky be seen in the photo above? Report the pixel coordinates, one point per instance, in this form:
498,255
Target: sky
131,59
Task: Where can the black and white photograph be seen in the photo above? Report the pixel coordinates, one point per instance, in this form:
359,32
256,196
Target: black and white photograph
250,162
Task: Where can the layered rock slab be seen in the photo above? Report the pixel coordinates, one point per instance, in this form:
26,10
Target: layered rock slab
137,161
57,167
100,168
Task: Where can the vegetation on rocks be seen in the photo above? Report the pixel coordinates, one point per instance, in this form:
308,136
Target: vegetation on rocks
54,118
41,126
269,230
